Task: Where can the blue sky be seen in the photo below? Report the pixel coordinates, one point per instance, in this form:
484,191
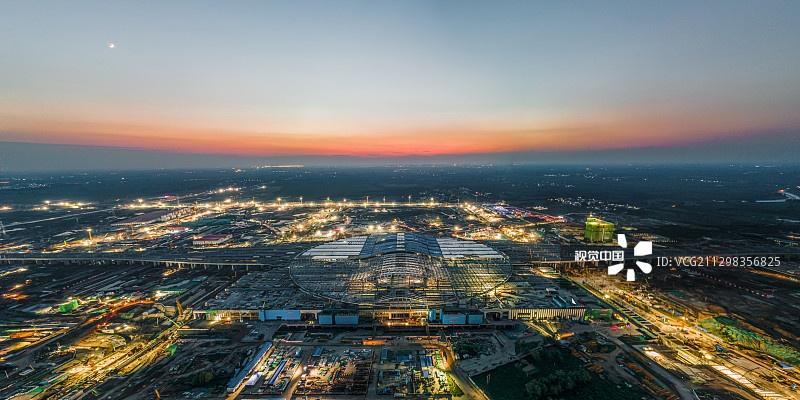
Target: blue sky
397,79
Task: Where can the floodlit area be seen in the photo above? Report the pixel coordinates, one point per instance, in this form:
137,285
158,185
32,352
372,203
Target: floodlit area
402,270
226,218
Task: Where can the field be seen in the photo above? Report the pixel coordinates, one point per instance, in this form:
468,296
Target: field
550,373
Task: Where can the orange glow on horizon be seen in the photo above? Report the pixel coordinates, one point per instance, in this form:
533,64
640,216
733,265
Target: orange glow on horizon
387,143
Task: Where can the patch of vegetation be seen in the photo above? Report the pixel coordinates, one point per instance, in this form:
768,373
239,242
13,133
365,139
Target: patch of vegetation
731,332
524,346
590,341
557,383
202,378
455,390
469,346
550,372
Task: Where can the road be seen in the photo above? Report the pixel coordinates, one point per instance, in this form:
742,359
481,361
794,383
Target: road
678,385
459,376
13,224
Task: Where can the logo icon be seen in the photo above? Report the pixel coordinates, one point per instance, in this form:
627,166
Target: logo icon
643,248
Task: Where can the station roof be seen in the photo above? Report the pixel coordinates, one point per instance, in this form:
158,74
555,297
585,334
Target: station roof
379,244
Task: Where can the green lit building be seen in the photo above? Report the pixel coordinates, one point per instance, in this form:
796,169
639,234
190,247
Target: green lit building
598,231
68,306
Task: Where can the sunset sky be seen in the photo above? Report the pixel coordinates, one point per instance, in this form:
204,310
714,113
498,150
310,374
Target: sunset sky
396,78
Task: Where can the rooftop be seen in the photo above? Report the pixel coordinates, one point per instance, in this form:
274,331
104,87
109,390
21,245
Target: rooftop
400,268
380,244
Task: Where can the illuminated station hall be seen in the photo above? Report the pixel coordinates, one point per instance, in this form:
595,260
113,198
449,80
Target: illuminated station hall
395,279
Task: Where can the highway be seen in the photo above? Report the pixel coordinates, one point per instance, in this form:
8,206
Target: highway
13,224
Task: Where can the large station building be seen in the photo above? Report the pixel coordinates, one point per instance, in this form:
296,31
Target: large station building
395,279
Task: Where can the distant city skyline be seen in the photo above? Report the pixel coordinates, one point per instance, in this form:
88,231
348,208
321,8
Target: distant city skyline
416,81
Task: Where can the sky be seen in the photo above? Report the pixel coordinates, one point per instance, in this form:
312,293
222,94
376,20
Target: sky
388,80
